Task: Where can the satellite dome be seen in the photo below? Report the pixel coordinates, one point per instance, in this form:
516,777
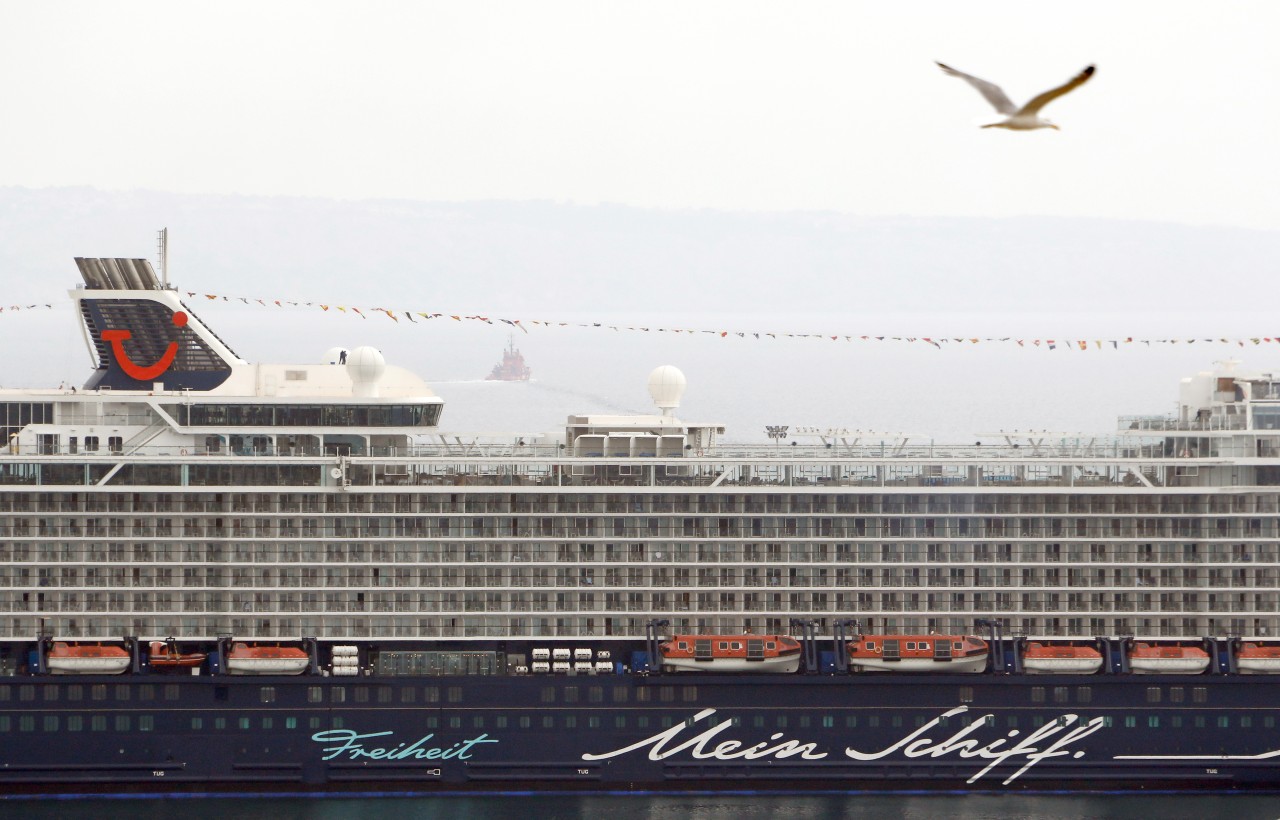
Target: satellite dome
335,355
666,386
365,365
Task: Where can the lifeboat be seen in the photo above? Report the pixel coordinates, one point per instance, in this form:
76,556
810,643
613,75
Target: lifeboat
1258,659
165,656
86,659
244,659
1167,659
731,653
1060,659
918,653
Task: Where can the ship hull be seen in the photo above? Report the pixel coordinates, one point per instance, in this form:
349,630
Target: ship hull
619,732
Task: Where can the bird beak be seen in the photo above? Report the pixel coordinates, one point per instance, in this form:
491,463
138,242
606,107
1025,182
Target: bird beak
1055,128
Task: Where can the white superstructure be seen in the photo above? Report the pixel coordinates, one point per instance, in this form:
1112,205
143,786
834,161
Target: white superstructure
223,497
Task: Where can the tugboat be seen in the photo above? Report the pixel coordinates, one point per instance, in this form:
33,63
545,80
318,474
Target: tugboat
731,653
918,653
512,367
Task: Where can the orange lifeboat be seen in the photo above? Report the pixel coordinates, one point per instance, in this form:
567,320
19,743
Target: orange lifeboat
731,653
1060,659
1167,659
1258,658
246,659
86,659
918,653
165,656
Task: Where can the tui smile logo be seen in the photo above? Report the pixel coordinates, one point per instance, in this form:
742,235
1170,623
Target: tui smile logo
142,373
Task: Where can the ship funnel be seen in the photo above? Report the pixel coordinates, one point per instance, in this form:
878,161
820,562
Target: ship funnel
666,386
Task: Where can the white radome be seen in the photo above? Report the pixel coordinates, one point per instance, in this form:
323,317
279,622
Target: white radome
365,365
666,386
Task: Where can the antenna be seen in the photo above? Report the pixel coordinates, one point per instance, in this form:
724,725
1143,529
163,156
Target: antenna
162,249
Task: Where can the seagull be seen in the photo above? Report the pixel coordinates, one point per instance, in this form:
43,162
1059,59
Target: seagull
1026,118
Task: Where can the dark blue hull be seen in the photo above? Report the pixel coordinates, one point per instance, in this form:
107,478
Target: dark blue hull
633,732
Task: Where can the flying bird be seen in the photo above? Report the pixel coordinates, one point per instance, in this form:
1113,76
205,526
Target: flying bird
1026,118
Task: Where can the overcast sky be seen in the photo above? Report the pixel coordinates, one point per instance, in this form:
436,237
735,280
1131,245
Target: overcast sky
731,105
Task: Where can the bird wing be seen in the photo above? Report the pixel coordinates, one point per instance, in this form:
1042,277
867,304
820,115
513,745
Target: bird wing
1038,102
990,91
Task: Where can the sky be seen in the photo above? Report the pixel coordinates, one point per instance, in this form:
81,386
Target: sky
488,152
756,106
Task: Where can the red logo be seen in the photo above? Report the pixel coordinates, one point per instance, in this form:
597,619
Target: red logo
142,373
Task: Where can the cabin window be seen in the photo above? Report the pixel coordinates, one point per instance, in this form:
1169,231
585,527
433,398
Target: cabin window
873,721
827,721
1153,694
920,721
871,646
384,694
682,646
4,723
98,723
146,723
170,692
291,723
1198,721
314,694
758,721
957,645
911,645
27,723
1037,694
666,694
314,723
1269,722
1199,694
1246,722
338,694
724,645
146,692
621,694
595,694
805,720
75,723
408,694
124,723
98,691
455,694
548,694
500,722
1224,721
51,692
644,695
571,721
1153,721
267,694
781,722
1061,694
220,723
571,694
770,645
1130,721
197,724
1012,721
966,694
267,723
989,721
1084,694
431,694
620,721
75,692
924,646
736,645
642,721
1177,694
26,692
50,723
337,723
362,694
851,721
548,722
689,694
122,691
896,721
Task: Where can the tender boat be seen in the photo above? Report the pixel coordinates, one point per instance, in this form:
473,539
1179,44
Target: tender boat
244,659
1167,659
165,655
1258,659
731,653
918,653
86,659
1061,659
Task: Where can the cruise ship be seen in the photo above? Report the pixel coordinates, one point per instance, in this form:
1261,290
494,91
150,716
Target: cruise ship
221,575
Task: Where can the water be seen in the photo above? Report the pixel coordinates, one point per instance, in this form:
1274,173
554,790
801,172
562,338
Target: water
661,807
